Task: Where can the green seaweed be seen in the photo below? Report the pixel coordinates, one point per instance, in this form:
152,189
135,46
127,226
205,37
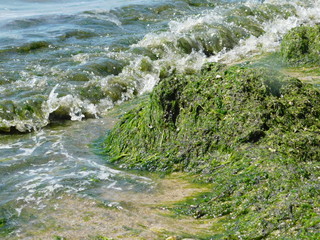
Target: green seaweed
301,46
78,34
104,67
3,222
30,108
59,238
29,47
265,12
251,132
6,226
101,238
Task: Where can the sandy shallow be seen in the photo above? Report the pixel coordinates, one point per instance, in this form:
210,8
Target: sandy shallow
128,216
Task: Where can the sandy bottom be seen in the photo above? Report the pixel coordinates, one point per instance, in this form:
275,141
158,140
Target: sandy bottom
131,216
307,75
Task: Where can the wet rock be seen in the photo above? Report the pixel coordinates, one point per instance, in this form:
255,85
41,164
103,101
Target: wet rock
104,67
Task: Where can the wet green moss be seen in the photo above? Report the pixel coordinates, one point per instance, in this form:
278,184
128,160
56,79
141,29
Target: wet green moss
301,46
3,222
265,12
101,238
104,67
251,132
59,238
93,92
201,3
252,27
15,116
29,47
79,77
6,227
78,34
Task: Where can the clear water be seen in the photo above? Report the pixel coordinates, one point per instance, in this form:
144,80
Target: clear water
63,60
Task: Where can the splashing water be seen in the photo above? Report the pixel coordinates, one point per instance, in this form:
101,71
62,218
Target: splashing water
80,63
56,162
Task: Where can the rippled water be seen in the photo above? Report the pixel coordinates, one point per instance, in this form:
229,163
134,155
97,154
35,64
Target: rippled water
64,60
55,162
92,55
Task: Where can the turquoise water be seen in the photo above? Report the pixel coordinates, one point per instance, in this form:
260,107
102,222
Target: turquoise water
69,62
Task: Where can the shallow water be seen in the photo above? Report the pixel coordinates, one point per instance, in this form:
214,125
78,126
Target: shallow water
58,161
74,60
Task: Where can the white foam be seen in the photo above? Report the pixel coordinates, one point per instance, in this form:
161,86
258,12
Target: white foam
106,16
274,31
81,58
70,104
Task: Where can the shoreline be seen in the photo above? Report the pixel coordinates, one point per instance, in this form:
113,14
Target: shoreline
127,215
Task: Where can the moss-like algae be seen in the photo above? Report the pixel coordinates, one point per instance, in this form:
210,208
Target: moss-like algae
29,47
301,46
251,132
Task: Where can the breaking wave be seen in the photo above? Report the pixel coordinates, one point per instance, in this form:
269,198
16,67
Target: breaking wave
100,58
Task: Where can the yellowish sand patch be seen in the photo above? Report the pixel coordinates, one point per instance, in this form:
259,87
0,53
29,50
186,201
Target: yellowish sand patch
136,216
308,75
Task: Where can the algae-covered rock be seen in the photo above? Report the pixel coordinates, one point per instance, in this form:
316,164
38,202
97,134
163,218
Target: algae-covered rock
32,46
253,133
301,45
220,110
23,116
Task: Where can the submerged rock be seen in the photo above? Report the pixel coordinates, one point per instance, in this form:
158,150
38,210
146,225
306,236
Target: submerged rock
253,133
301,45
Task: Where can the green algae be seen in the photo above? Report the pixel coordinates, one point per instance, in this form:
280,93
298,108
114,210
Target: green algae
7,222
78,34
2,222
59,238
267,11
251,132
251,26
17,115
104,67
101,238
209,37
29,47
301,45
139,215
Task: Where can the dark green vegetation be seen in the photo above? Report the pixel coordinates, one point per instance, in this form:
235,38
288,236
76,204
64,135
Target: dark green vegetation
251,132
11,112
301,46
5,227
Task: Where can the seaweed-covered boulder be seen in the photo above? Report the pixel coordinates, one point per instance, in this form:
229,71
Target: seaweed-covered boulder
301,45
222,109
252,133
